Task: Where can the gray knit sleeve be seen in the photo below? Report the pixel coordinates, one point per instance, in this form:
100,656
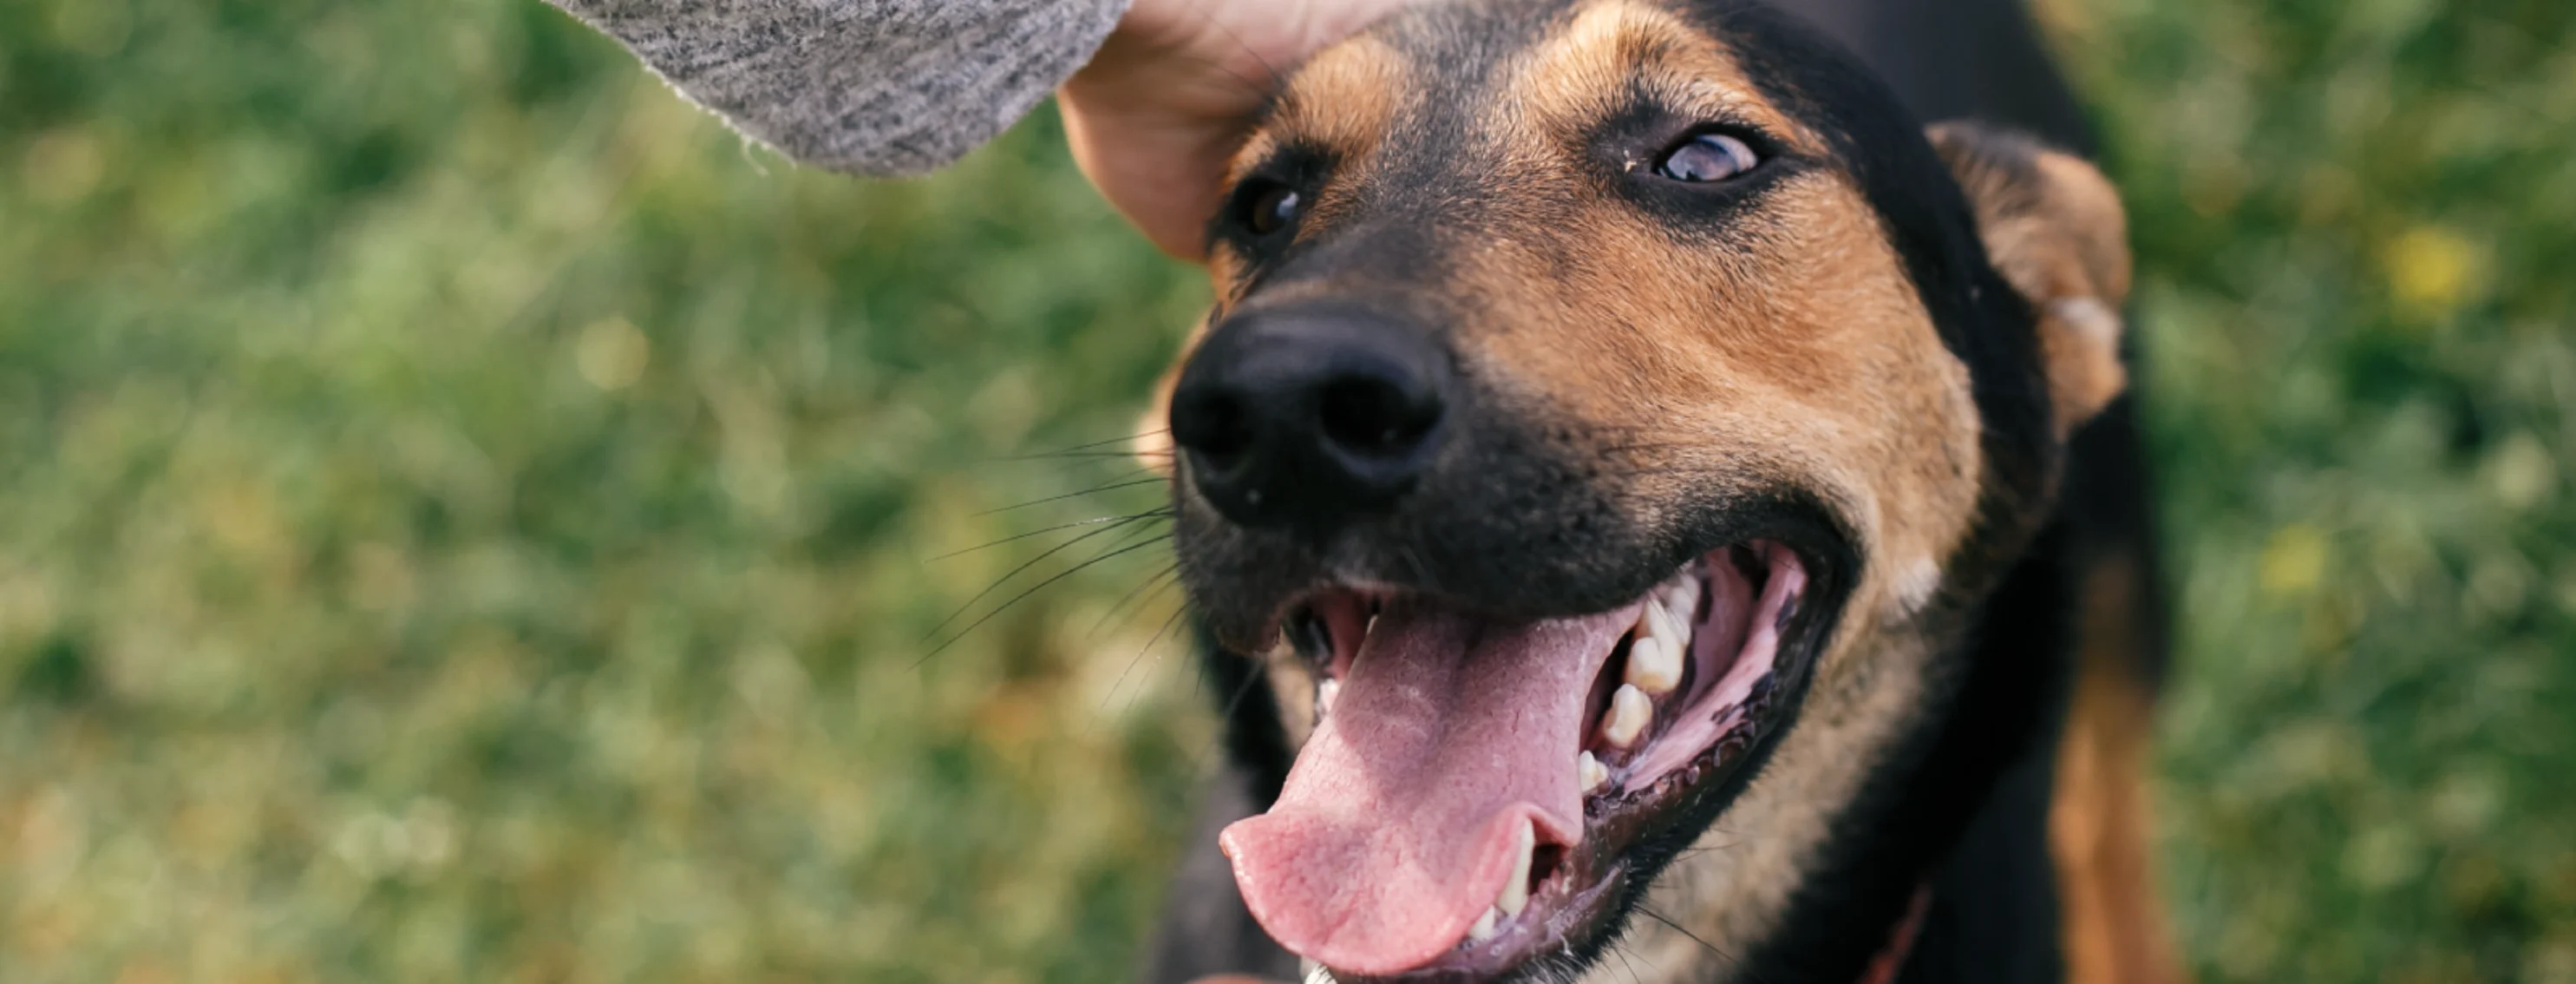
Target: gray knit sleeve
883,87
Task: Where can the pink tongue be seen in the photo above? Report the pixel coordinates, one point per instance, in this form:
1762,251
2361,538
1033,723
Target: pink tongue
1396,828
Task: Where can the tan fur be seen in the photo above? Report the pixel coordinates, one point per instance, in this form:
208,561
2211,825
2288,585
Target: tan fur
2056,230
1736,362
1340,101
1744,368
1735,885
1573,79
1292,680
2098,824
2054,227
1748,364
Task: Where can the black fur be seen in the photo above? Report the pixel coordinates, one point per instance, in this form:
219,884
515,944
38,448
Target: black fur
1974,809
2007,680
1965,809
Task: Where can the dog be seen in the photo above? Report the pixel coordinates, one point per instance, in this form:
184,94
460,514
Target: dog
1655,511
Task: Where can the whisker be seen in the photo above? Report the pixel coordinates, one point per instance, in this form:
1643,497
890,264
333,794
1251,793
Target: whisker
1094,521
1137,532
1650,913
1089,455
1225,717
1140,654
1094,490
1421,571
1162,577
1090,445
1033,589
1620,950
1168,621
1032,562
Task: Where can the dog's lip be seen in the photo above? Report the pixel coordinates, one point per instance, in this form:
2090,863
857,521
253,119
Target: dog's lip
1580,902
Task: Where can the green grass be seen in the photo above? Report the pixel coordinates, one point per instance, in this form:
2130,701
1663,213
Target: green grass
465,516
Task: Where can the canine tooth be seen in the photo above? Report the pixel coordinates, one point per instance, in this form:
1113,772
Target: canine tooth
1485,925
1654,620
1655,664
1589,773
1677,627
1325,692
1682,598
1515,895
1630,711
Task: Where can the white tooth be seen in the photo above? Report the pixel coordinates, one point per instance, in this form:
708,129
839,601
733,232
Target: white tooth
1630,711
1649,618
1325,693
1515,895
1654,664
1590,773
1682,599
1674,630
1485,924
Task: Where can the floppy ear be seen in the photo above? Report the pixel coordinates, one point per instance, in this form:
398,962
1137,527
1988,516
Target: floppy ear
2053,226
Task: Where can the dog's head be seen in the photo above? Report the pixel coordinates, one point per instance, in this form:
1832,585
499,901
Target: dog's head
1611,412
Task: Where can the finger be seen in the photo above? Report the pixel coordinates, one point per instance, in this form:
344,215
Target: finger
1163,174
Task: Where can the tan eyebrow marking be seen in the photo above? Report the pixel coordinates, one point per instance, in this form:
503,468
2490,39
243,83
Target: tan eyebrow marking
1589,68
1341,102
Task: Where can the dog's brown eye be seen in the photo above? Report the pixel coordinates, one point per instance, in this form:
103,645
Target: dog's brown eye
1270,208
1708,157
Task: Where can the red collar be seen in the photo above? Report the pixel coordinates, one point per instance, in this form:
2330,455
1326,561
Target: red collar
1891,958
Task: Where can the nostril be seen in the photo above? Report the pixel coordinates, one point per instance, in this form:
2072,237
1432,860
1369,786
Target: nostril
1310,418
1217,427
1375,417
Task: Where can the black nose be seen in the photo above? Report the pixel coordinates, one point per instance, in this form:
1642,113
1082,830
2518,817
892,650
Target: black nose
1310,417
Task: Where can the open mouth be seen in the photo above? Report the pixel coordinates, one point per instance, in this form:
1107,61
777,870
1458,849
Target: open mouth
1476,788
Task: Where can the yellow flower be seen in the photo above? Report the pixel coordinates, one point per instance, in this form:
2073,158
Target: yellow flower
2294,560
2432,271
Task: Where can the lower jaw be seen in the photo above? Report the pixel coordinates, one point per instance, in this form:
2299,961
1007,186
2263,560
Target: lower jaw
1577,907
1631,830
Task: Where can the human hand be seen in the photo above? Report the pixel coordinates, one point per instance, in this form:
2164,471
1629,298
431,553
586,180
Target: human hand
1160,109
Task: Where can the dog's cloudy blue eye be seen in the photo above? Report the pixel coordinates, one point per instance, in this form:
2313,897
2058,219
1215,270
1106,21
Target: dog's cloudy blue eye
1708,157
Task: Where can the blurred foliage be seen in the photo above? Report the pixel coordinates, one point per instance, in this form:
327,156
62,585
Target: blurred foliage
470,517
2355,223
